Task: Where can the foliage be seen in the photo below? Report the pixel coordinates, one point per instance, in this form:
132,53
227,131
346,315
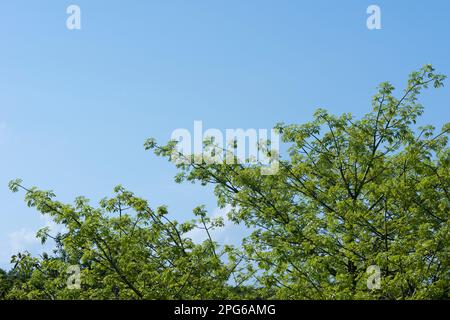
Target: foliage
126,250
351,193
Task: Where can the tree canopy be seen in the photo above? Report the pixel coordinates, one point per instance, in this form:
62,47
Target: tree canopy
349,194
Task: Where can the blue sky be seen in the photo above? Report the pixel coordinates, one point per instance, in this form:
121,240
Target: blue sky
77,105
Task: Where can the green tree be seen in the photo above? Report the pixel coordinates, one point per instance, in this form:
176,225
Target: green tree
352,193
125,250
5,283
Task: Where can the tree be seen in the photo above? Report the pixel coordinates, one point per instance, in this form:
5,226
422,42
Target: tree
124,250
5,283
351,194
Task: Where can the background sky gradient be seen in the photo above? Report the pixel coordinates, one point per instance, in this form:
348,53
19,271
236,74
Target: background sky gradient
76,106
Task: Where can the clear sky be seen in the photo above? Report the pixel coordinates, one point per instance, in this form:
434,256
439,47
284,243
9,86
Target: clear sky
77,105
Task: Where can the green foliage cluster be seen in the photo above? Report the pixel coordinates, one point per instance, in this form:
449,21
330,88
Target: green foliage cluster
351,193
